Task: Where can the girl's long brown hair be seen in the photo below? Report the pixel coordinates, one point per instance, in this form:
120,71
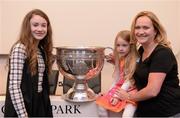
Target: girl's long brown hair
31,44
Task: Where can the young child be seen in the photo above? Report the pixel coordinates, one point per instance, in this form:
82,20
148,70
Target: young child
125,57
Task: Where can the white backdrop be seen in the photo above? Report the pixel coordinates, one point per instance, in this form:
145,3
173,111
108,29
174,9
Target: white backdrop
86,23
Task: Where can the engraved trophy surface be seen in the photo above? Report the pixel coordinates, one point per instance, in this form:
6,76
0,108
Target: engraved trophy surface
80,64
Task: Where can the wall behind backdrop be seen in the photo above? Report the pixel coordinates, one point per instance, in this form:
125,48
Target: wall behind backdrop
87,22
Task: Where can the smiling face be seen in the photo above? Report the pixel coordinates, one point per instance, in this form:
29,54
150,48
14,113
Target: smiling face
122,47
38,27
144,30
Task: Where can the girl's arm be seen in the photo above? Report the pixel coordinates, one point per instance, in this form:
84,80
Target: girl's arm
16,70
126,85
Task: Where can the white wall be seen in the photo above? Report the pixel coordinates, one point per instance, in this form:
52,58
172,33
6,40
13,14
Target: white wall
0,26
87,22
179,15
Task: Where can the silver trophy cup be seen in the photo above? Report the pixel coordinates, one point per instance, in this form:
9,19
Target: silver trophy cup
80,64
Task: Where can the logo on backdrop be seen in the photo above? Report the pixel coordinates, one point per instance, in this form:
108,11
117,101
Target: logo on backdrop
58,109
66,109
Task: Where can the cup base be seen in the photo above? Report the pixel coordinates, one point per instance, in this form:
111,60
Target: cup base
80,96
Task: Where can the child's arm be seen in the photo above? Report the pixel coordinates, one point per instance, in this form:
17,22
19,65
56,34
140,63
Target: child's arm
126,85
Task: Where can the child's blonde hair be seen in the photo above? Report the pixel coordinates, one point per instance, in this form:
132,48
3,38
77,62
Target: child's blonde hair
130,58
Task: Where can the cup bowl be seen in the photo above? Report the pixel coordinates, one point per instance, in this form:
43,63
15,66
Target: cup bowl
80,64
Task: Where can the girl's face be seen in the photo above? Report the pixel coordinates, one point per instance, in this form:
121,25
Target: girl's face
144,30
38,27
122,47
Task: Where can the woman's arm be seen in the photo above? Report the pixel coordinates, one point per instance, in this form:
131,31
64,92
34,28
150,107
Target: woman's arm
152,89
125,86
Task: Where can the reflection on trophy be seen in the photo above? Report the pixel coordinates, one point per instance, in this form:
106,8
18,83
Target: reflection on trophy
80,64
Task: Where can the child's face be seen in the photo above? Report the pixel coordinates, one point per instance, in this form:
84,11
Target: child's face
38,27
122,47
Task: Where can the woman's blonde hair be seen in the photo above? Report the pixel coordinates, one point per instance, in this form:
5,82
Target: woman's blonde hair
161,36
130,58
30,43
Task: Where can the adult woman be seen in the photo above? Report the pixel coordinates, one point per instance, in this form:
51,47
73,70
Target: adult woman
156,73
30,62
